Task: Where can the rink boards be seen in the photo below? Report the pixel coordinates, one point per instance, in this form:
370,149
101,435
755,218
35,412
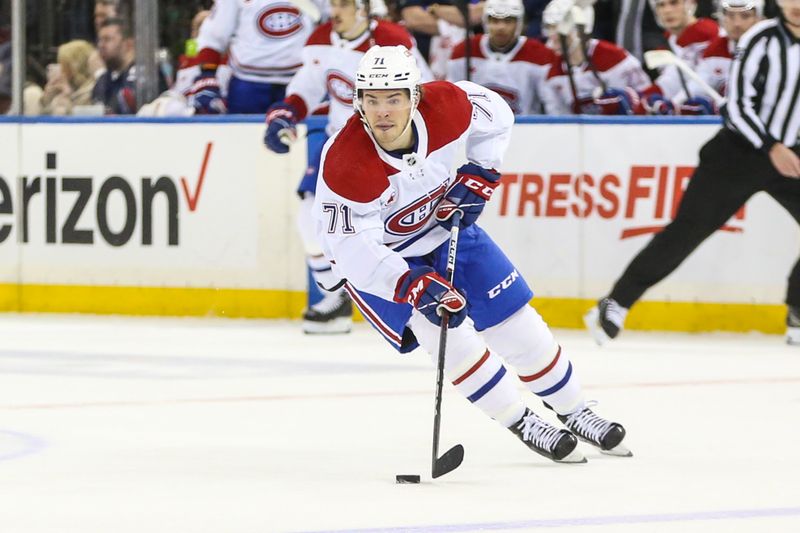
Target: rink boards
195,217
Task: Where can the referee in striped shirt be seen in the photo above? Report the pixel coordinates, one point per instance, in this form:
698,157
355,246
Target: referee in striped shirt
756,150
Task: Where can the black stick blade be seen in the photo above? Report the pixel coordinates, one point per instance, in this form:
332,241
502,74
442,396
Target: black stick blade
449,461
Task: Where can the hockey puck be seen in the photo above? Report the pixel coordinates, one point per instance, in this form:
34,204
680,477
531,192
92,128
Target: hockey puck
407,478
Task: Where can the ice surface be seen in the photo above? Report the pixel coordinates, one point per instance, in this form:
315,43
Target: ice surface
226,426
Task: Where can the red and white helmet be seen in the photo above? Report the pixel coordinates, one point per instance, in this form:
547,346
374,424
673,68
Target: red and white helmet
502,9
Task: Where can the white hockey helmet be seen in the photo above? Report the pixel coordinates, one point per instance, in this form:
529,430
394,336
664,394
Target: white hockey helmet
501,9
742,5
558,14
690,5
388,67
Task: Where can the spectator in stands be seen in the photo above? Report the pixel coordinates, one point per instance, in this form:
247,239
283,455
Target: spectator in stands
426,19
104,10
116,88
533,14
5,77
72,81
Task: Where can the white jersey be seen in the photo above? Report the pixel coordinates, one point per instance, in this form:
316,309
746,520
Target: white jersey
689,46
614,65
517,75
263,38
329,65
714,67
372,215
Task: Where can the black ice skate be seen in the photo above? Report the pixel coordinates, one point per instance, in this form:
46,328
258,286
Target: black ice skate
547,440
793,325
605,320
597,431
332,314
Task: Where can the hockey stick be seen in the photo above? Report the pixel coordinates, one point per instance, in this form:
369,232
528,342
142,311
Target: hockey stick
658,58
580,18
576,106
452,458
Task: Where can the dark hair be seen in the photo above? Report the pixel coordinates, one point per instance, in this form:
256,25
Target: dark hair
124,27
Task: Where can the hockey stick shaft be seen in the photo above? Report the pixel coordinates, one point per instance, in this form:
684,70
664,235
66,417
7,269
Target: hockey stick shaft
453,457
659,58
565,54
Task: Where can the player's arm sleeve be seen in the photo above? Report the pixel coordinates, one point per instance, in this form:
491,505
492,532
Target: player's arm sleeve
552,102
705,70
629,73
309,82
490,127
669,82
351,234
216,31
739,112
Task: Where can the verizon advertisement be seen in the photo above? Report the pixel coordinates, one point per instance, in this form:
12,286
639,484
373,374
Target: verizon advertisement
577,202
138,204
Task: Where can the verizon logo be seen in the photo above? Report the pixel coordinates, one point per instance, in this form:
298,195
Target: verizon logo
647,198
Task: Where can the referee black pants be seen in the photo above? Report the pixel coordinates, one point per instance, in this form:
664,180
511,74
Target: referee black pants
730,171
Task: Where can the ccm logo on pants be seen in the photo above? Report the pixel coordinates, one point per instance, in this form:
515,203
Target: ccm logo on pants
494,291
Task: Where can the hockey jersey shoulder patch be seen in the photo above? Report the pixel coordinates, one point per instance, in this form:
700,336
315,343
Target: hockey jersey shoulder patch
606,55
388,34
718,48
460,50
701,31
362,182
534,52
447,113
321,35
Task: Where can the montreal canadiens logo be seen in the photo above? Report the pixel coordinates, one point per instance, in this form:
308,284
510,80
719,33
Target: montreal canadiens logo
279,21
413,217
340,87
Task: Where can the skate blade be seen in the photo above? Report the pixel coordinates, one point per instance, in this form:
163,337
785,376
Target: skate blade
620,450
592,321
331,327
793,336
574,457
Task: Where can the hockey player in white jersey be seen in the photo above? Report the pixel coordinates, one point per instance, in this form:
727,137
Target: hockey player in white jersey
330,57
736,17
263,40
384,225
503,60
688,37
595,77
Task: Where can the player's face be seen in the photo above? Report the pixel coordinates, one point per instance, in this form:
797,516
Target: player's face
738,22
103,12
502,32
673,14
791,11
343,15
387,112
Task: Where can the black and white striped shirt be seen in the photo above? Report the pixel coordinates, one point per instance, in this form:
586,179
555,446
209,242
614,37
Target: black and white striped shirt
764,86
